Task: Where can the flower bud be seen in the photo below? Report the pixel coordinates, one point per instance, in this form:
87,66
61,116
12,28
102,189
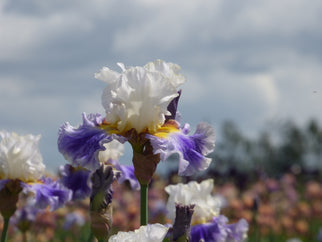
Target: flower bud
181,226
101,201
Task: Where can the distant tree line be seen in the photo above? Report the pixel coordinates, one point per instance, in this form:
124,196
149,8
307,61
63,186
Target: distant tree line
277,149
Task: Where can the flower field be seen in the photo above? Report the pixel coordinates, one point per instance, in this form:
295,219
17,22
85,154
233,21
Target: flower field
276,210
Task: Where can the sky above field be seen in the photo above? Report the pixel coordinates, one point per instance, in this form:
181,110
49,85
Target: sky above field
253,62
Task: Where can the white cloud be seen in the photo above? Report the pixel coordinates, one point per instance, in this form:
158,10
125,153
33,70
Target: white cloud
266,88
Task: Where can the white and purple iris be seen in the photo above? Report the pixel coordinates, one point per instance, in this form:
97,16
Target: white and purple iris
207,223
143,100
206,205
20,160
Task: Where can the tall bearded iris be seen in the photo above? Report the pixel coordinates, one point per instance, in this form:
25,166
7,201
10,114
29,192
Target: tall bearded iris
140,105
207,223
21,163
22,169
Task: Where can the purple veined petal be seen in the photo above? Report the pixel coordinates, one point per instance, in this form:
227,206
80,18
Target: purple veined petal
218,230
48,193
204,232
238,231
81,145
192,150
77,180
127,174
3,182
212,231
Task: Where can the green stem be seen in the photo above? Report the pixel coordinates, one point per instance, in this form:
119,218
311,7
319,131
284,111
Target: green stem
144,204
91,237
5,229
24,236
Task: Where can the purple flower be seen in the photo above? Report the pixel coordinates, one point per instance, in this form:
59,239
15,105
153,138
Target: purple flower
191,149
77,180
81,145
219,231
48,193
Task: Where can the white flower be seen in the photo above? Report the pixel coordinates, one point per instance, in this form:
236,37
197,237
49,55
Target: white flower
139,96
149,233
113,151
206,205
20,157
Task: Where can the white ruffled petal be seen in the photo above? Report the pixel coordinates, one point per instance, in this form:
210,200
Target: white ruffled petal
139,96
107,75
199,194
151,232
20,157
113,151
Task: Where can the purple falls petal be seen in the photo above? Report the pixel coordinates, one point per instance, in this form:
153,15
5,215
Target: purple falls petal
219,231
81,145
192,149
238,231
48,193
77,180
213,231
127,174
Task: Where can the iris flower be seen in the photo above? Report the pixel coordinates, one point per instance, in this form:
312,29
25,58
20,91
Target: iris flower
22,169
206,205
207,223
141,106
21,162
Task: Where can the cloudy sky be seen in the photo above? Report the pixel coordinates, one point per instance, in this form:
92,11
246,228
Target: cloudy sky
253,62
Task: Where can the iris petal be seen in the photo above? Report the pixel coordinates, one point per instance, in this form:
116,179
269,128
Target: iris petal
191,149
77,180
82,145
218,230
48,193
138,97
127,174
